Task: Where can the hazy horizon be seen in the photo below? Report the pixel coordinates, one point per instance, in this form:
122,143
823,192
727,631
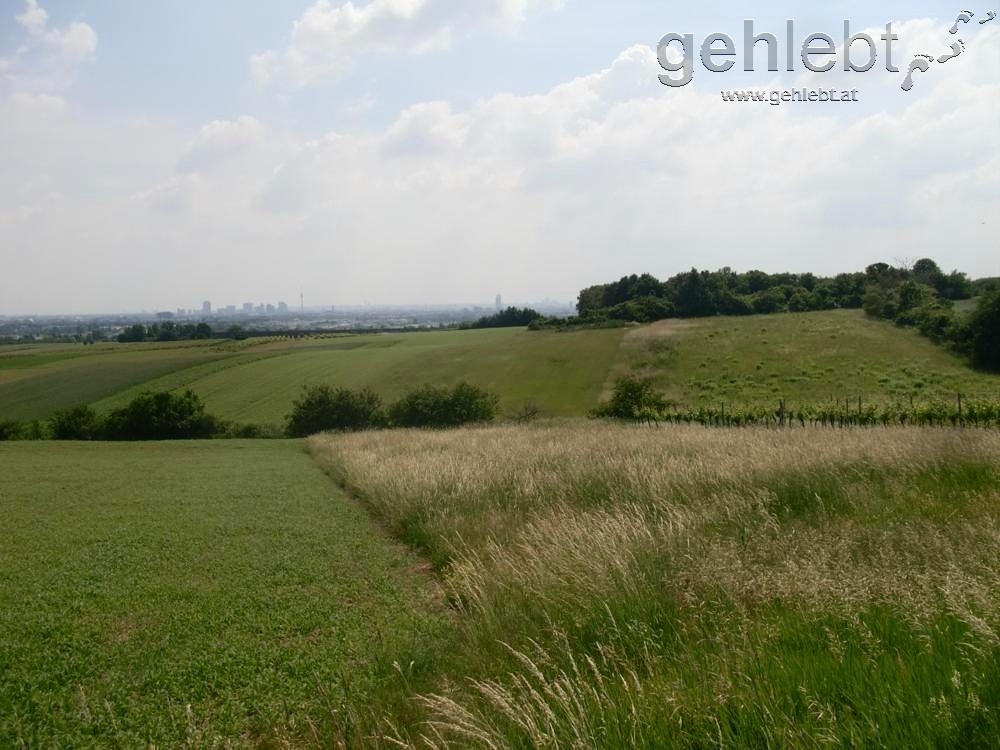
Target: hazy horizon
440,151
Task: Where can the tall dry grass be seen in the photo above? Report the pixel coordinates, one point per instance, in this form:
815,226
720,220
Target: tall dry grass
627,587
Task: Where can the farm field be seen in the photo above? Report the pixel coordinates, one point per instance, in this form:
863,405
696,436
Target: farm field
257,381
39,380
563,373
623,587
192,594
804,358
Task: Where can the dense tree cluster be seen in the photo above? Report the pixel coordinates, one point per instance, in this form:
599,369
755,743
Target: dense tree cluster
165,331
512,317
922,298
978,335
698,294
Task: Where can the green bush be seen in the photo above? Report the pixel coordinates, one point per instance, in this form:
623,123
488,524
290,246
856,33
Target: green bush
79,423
434,406
979,335
161,416
322,409
9,430
633,399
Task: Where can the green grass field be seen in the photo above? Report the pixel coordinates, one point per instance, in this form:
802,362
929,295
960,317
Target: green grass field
805,358
192,594
809,358
564,584
563,373
36,381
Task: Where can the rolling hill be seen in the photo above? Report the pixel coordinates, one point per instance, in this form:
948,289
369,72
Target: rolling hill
804,358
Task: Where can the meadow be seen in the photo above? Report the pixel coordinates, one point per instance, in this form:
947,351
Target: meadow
805,359
622,587
36,381
218,594
564,583
256,381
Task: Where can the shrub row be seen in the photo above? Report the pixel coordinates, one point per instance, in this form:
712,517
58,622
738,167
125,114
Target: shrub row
182,416
322,408
149,416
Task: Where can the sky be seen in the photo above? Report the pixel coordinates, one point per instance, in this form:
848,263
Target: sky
154,155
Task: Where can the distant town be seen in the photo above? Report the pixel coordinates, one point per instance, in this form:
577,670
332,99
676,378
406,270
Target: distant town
254,318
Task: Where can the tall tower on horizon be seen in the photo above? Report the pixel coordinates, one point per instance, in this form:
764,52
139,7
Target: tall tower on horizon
499,302
302,303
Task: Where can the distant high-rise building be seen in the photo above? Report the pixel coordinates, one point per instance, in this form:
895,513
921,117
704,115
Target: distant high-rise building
206,308
499,303
271,309
283,308
248,308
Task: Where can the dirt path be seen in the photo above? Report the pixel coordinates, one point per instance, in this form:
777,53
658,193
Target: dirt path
635,341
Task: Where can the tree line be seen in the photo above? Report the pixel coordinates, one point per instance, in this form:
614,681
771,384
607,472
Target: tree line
698,294
512,317
165,415
921,296
914,298
165,331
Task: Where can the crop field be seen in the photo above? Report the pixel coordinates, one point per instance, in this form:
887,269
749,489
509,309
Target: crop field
36,381
625,587
805,359
214,594
256,381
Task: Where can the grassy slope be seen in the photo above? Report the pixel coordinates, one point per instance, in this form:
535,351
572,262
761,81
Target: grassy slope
40,380
564,373
189,592
807,358
620,587
803,358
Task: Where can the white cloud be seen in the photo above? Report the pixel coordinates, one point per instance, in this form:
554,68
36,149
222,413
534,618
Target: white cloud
539,195
34,18
77,43
48,60
327,39
219,141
